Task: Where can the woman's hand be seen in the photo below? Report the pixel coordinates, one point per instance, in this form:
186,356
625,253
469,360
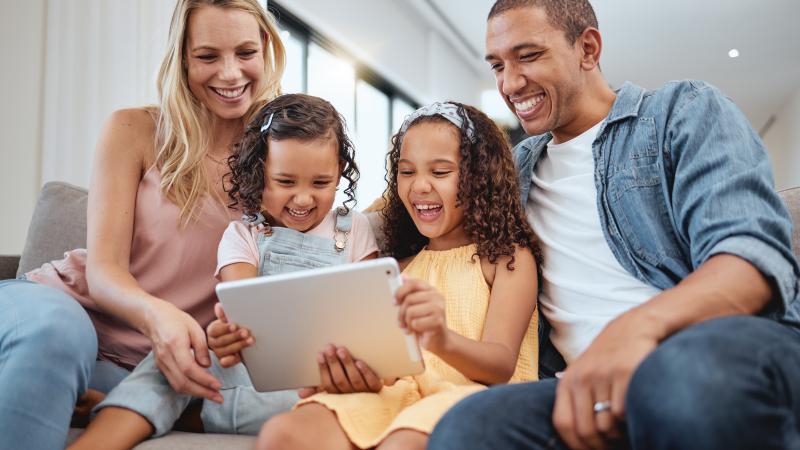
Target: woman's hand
422,311
181,354
340,373
226,339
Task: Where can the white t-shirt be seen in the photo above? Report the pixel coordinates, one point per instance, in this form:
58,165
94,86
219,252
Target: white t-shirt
238,243
583,285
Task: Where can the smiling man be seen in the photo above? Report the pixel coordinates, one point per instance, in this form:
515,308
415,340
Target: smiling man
668,282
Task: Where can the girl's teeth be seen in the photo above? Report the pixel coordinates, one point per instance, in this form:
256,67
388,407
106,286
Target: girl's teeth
428,210
299,213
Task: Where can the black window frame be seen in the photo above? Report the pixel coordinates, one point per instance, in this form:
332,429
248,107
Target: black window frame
306,34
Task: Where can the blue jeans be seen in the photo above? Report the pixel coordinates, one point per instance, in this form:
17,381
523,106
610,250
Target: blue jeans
731,383
48,348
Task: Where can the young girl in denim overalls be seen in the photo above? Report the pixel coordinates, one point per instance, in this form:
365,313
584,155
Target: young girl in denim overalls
284,177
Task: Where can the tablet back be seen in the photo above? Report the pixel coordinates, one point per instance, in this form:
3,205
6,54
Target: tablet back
294,316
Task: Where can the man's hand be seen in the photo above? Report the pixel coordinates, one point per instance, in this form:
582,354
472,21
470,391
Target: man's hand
226,339
590,398
724,285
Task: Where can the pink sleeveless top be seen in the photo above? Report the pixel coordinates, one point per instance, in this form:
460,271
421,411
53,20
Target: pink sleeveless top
176,265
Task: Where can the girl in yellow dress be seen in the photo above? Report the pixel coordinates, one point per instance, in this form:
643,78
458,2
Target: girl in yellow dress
454,220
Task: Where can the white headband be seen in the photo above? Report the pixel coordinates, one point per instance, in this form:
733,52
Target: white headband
267,123
445,110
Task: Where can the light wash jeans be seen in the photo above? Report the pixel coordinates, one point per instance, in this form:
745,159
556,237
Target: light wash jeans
148,392
48,348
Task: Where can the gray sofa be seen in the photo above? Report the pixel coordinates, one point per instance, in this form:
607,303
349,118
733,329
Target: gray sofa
59,224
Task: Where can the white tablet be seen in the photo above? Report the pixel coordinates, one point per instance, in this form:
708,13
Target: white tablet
294,316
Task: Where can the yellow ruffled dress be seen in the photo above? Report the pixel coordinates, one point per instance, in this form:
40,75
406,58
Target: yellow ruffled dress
418,402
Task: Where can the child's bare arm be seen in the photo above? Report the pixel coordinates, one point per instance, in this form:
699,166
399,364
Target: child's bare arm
372,255
225,338
511,306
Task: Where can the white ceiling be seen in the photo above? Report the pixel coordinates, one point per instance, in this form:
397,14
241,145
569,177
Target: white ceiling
650,42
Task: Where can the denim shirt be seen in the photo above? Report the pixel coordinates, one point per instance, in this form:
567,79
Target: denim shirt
681,176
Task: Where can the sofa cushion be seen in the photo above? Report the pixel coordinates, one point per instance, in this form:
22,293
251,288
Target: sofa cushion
791,197
178,440
8,266
58,225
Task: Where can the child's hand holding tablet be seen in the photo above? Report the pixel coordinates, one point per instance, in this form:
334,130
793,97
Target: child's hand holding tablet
296,318
339,371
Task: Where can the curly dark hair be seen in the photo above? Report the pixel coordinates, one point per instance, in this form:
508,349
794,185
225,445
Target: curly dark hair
293,116
488,190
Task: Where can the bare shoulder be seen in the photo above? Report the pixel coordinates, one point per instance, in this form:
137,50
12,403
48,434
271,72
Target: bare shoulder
130,134
524,265
134,120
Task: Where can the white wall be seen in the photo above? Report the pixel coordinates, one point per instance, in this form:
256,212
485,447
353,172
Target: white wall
394,39
783,142
69,63
101,56
22,38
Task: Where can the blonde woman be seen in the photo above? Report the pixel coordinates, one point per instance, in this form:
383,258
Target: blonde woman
156,214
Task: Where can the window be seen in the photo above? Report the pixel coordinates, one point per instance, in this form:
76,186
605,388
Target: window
372,140
400,110
333,79
373,108
293,80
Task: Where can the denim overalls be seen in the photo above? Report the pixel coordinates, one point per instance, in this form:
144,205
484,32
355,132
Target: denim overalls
283,250
148,393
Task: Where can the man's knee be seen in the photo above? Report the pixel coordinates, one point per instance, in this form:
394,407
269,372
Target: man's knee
695,382
702,362
459,423
494,418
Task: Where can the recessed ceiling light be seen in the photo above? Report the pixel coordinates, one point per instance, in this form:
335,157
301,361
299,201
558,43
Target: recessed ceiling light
733,53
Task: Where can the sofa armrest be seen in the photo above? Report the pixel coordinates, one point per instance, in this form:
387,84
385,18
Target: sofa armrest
8,266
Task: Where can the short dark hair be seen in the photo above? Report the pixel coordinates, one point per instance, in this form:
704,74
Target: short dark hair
571,16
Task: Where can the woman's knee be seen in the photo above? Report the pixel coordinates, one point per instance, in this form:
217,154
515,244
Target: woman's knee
51,324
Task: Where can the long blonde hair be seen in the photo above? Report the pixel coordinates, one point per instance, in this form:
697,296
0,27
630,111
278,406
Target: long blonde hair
183,123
